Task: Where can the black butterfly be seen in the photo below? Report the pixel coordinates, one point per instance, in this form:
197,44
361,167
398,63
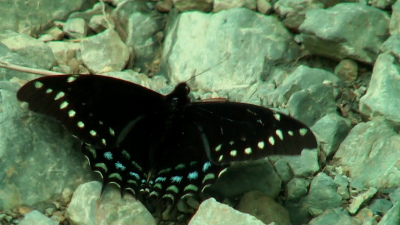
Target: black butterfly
161,146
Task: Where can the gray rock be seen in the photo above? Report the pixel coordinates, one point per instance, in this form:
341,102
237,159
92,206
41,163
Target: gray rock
96,9
301,78
322,195
187,5
245,177
306,165
33,17
293,12
331,130
395,19
342,186
361,199
87,207
36,217
346,30
217,45
392,216
75,28
141,29
104,52
99,23
64,52
212,212
392,46
336,216
8,56
264,6
367,155
40,159
53,34
29,48
383,4
380,206
296,188
347,70
318,101
263,208
395,196
220,5
283,169
383,95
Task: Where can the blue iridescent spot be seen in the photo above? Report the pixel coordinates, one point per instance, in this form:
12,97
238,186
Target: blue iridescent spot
135,175
108,155
206,166
193,175
119,166
176,179
162,179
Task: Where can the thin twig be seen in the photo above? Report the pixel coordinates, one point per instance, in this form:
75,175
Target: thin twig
28,70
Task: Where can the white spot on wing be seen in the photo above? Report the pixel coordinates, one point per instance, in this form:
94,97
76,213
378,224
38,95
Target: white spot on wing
271,140
209,176
279,134
38,84
48,91
248,151
115,175
261,145
218,148
180,166
64,105
71,79
173,188
103,141
81,124
101,166
59,95
112,132
191,187
220,158
71,113
290,133
233,153
303,131
277,116
93,133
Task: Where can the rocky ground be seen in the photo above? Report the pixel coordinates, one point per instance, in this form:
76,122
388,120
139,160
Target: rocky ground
332,64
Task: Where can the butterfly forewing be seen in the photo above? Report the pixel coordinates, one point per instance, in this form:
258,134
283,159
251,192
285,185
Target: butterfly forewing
96,109
239,132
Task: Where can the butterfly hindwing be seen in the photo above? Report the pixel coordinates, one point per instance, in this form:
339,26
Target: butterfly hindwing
183,180
239,132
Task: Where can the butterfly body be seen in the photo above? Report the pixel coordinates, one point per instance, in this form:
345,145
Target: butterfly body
163,146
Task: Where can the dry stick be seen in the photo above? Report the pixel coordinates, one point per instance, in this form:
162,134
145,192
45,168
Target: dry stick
27,69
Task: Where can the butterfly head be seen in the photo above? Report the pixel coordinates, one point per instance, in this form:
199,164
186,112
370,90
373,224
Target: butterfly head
182,89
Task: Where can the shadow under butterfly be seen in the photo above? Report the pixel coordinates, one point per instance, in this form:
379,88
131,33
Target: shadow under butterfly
161,146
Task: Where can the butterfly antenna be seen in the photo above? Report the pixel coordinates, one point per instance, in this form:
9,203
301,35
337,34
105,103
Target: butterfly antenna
226,57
